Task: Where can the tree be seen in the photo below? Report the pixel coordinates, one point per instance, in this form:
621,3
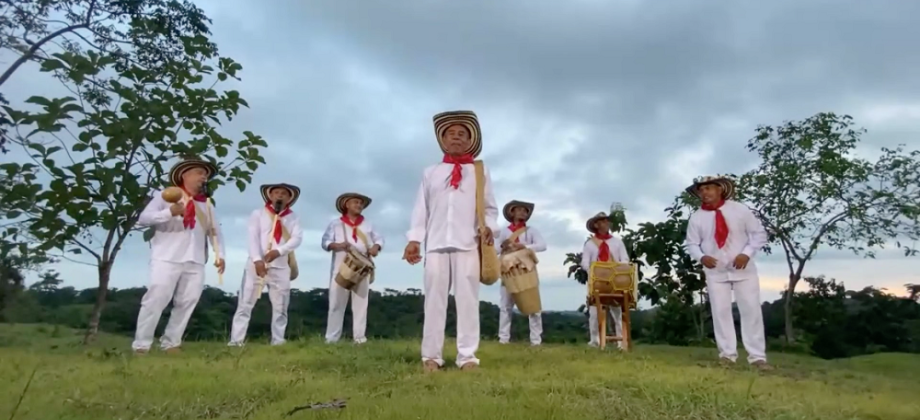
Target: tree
146,32
128,126
810,190
913,291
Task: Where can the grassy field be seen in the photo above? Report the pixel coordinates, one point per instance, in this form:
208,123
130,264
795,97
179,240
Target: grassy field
384,380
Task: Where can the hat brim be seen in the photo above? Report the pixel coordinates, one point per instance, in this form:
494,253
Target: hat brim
292,189
342,199
590,223
728,188
175,173
467,119
506,211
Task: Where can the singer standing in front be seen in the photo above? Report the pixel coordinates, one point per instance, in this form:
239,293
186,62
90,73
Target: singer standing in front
274,234
178,253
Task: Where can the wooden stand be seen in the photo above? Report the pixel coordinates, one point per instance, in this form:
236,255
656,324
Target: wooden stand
603,301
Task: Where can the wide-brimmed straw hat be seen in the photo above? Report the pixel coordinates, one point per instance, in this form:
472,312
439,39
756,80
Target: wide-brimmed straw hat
467,119
175,173
340,202
727,184
506,211
292,189
590,223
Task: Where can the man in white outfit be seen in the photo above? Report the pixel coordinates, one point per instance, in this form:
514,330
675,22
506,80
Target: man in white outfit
347,232
274,234
178,253
444,217
517,213
723,236
602,246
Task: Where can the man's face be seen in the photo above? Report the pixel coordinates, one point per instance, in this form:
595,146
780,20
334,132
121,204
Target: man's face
354,206
457,139
602,226
519,214
282,194
194,178
710,193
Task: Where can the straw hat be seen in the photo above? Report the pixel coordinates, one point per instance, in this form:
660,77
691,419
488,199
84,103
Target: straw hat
727,184
340,202
175,173
467,119
590,223
506,211
292,189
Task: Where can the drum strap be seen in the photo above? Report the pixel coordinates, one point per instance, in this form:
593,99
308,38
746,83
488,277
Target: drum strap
516,234
286,235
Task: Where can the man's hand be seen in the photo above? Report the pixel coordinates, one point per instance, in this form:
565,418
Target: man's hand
271,256
741,261
411,254
221,265
176,209
708,261
486,234
338,246
261,271
374,250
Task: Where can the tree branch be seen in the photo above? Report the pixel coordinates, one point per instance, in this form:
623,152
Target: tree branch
35,47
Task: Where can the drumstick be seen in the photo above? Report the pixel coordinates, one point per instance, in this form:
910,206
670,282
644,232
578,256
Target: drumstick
272,236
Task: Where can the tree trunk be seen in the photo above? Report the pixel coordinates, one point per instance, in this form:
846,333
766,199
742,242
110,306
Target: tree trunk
105,270
787,307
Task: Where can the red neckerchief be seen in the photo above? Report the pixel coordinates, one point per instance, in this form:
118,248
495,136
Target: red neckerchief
354,225
514,227
721,225
188,218
276,230
457,174
603,253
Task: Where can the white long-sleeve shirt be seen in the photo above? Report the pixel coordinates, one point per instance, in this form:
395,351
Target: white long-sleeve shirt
531,238
590,252
338,232
260,233
746,235
171,241
445,218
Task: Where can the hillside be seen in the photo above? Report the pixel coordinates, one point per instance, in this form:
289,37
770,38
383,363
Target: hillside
383,380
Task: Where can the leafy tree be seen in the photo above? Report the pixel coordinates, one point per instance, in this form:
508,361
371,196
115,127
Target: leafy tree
810,190
913,291
146,33
100,171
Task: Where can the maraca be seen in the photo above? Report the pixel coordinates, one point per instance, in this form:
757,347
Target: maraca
172,194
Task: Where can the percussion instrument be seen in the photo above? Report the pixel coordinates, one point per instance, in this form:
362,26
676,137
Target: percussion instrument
519,276
354,269
612,283
172,194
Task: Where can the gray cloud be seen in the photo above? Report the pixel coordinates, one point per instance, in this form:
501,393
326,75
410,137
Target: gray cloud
581,105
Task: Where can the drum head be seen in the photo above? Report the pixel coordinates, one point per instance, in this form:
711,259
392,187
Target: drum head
367,262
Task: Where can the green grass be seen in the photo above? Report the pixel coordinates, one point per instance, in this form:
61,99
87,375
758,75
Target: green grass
384,380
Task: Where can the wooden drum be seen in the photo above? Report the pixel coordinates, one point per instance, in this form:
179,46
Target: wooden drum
519,276
354,269
613,278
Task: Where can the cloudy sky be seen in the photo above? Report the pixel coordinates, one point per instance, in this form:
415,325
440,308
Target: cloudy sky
581,103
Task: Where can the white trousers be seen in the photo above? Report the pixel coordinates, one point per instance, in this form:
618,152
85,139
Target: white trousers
747,295
617,314
443,270
278,282
506,304
338,300
180,282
